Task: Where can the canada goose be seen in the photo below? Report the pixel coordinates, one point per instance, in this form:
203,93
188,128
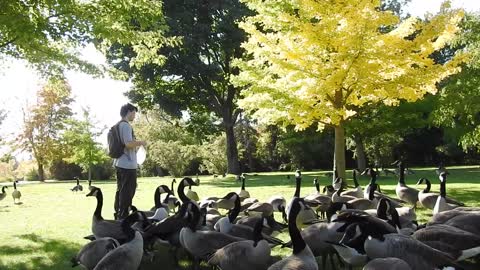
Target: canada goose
306,216
404,192
102,227
336,197
200,244
171,200
365,203
364,218
357,191
243,193
445,216
3,194
94,251
317,236
448,239
403,225
279,204
441,203
350,247
167,229
186,181
260,208
157,200
318,201
302,257
16,194
373,181
226,224
248,254
192,195
390,263
128,256
337,183
271,226
381,244
428,199
328,190
78,187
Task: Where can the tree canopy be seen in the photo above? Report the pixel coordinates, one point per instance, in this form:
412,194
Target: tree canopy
317,62
44,121
49,33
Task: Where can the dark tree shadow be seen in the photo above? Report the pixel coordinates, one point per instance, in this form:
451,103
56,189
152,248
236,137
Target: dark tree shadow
41,253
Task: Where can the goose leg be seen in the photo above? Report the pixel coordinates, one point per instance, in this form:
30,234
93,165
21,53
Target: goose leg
324,260
332,262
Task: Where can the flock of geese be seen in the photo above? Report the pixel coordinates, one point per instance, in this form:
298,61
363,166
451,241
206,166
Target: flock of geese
362,227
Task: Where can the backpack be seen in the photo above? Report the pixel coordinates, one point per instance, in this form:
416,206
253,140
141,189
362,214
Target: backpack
115,144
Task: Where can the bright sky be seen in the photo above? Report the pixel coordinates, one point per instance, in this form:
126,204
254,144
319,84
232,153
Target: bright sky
18,84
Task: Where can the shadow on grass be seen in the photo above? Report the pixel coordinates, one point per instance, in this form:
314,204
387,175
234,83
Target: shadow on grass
41,253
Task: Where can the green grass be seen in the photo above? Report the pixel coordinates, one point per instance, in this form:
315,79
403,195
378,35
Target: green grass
46,230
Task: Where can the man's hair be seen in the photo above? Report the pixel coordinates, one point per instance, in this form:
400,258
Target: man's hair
126,109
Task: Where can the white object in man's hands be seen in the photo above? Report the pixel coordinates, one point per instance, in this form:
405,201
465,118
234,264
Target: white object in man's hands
141,155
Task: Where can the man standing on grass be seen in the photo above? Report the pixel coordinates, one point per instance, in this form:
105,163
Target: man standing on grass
126,164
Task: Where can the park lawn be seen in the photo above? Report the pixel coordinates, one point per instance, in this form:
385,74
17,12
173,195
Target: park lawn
47,228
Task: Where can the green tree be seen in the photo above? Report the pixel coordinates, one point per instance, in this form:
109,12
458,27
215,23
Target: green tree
80,138
170,146
48,33
378,138
196,74
316,62
458,107
44,123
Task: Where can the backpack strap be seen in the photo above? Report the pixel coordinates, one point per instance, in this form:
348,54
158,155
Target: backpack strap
118,131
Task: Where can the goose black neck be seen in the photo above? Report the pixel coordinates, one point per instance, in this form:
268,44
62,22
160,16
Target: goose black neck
3,189
235,210
298,181
257,232
371,193
89,183
284,214
243,183
355,178
401,173
98,210
317,187
127,226
382,210
194,218
373,178
297,240
78,182
443,188
429,185
156,198
181,193
395,217
14,185
166,198
171,188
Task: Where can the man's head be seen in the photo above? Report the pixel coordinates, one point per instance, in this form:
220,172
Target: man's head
128,111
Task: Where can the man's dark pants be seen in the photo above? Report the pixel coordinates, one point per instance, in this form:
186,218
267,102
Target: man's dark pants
126,186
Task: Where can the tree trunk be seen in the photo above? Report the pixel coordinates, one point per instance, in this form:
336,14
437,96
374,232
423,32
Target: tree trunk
233,166
339,159
89,172
360,153
41,172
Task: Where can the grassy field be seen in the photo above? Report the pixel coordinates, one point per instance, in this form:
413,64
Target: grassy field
47,228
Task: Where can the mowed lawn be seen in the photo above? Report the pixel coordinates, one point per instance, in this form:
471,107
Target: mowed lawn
47,228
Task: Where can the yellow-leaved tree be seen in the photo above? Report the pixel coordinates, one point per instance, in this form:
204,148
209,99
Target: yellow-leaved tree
317,62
